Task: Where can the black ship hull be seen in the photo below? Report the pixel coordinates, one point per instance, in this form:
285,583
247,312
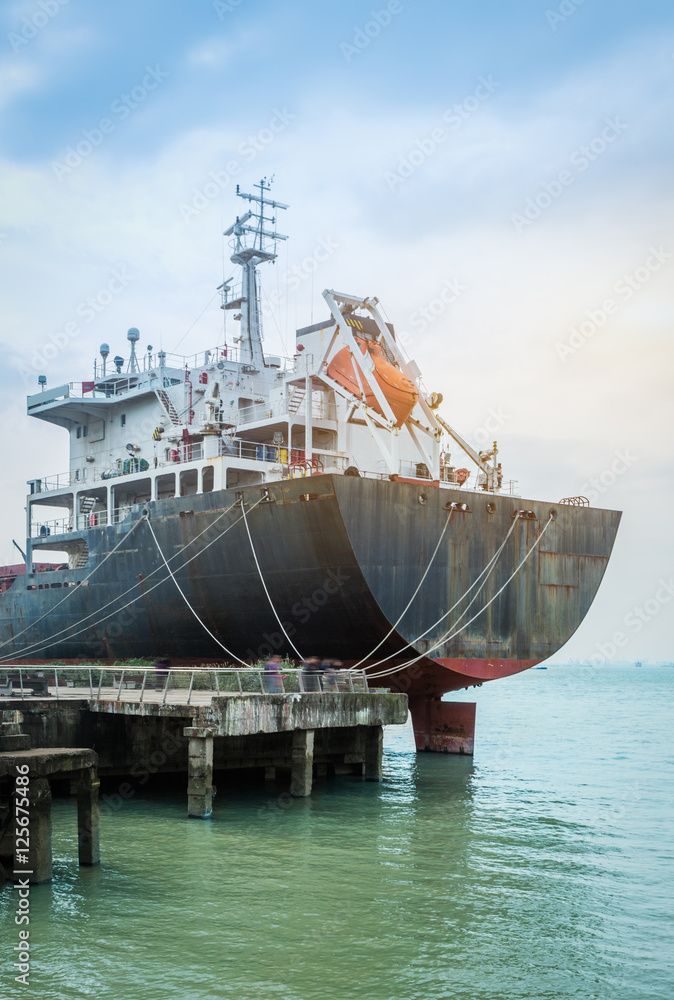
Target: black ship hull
340,557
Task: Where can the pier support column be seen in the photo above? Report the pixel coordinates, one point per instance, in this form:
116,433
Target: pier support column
374,752
88,828
199,772
302,762
39,830
443,726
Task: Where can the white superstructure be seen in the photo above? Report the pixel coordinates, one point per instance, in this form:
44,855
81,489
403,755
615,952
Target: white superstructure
156,426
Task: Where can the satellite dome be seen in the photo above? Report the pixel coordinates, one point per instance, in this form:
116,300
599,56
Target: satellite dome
104,350
133,334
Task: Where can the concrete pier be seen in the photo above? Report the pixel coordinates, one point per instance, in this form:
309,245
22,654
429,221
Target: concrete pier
303,735
43,766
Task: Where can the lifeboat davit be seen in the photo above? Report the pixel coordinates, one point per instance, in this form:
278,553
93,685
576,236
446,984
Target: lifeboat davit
400,392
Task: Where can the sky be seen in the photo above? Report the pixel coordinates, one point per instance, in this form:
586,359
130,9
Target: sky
498,175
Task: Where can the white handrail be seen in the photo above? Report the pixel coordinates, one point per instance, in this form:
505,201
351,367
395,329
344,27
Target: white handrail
131,683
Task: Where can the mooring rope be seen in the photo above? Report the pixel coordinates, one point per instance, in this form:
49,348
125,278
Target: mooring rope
409,603
488,570
72,590
271,603
40,644
184,597
446,637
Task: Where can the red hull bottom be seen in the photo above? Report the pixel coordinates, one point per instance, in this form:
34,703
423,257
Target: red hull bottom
443,726
484,670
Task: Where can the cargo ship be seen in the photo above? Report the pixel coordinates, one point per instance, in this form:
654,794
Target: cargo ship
235,504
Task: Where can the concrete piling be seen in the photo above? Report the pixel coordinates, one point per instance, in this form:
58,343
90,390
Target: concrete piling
39,851
88,826
199,772
302,763
374,753
41,766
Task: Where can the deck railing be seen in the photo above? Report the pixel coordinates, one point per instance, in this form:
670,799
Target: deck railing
320,410
171,685
56,526
234,448
255,452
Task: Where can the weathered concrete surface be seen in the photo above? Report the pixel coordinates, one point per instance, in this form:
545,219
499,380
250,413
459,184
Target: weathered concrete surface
199,773
53,724
138,740
374,753
53,762
88,825
246,714
11,737
145,739
43,765
302,763
39,850
277,713
13,743
124,743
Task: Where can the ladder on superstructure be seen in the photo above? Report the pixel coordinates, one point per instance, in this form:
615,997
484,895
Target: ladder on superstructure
167,403
296,399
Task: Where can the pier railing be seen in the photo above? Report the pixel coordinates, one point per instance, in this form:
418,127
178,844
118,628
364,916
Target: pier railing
171,685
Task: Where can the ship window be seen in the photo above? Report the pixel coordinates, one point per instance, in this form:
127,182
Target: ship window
79,432
97,428
189,482
85,431
122,420
165,487
207,480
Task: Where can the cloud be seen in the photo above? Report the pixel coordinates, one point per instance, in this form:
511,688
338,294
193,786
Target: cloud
493,347
16,79
215,53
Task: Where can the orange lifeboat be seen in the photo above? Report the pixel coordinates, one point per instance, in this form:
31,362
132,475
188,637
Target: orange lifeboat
401,393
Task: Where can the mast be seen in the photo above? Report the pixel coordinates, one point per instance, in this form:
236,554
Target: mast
253,244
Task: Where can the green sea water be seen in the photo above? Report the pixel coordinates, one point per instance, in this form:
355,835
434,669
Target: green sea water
541,868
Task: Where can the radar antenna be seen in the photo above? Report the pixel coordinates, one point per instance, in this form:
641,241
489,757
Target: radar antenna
254,239
133,336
